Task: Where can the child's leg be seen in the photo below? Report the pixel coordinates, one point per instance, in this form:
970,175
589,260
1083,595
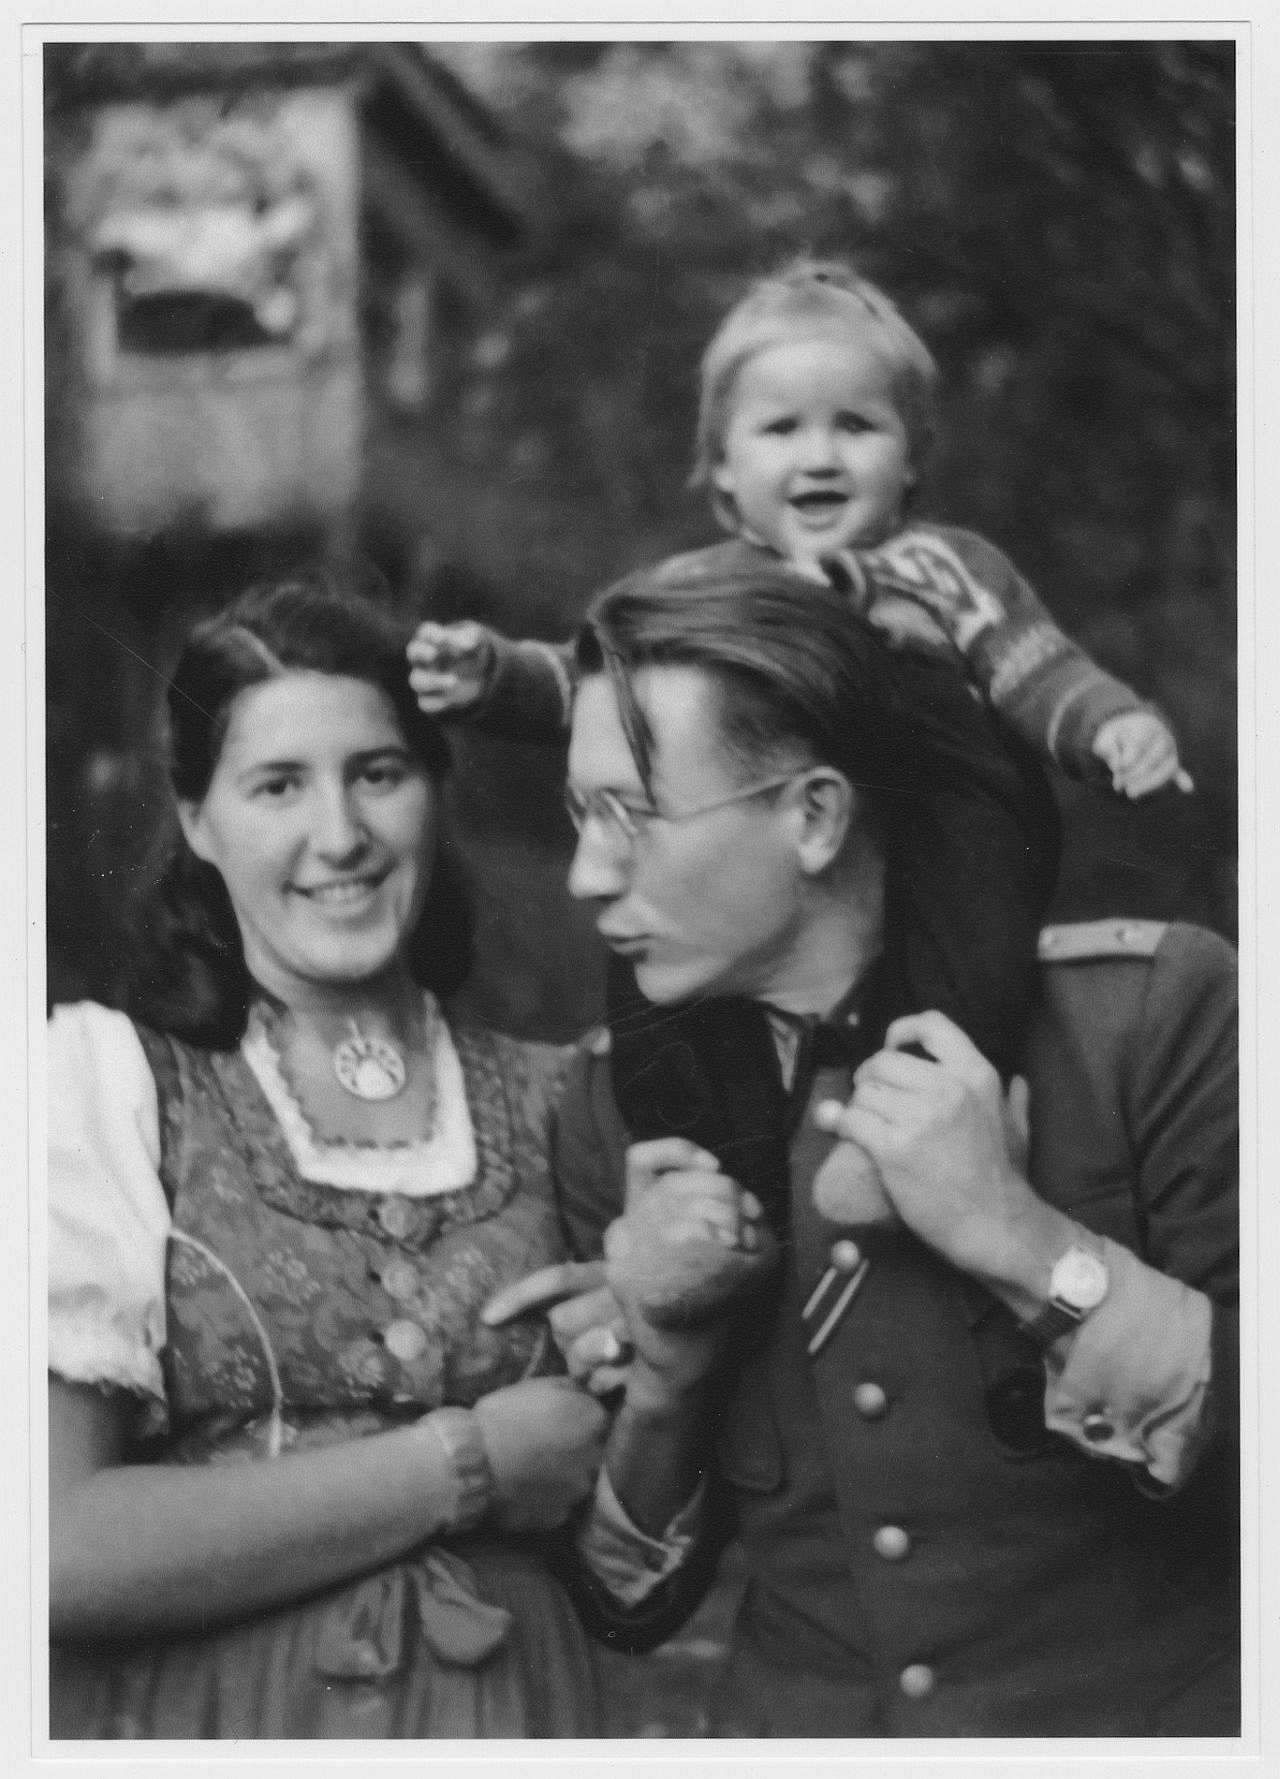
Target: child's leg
972,859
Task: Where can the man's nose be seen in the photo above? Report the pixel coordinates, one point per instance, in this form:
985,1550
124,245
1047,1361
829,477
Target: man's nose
597,871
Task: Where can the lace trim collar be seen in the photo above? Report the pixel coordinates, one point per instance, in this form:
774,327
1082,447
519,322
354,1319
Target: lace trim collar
442,1162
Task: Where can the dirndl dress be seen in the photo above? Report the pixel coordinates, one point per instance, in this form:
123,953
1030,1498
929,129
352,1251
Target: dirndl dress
261,1291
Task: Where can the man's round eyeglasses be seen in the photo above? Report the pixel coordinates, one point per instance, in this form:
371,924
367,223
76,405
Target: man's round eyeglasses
627,821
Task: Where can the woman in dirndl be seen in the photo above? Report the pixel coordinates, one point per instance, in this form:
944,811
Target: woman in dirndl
297,1486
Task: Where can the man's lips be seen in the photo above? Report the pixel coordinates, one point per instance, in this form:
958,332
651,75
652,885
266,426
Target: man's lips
625,944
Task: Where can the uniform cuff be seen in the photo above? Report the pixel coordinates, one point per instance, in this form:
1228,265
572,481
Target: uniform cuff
629,1562
1132,1382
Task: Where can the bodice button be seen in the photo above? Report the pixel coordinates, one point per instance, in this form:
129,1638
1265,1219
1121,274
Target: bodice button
394,1218
399,1280
405,1341
891,1543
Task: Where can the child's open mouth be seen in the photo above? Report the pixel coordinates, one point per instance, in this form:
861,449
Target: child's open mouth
819,502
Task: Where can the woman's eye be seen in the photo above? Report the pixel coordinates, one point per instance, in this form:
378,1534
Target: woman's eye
385,775
275,789
778,428
856,423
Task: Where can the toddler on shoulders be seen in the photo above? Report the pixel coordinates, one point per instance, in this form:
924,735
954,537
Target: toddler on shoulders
815,420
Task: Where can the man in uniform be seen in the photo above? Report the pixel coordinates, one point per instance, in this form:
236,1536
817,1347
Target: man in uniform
975,1428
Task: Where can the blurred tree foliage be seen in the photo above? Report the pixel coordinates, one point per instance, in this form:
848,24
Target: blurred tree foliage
1058,221
1056,218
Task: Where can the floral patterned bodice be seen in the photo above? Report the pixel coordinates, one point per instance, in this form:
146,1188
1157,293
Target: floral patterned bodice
306,1313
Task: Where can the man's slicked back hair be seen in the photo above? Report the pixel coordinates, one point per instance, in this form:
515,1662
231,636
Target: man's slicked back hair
799,676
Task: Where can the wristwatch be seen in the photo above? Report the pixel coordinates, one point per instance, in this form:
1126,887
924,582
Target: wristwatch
1077,1285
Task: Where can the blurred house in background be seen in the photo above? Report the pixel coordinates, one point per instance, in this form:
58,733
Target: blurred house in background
256,255
249,248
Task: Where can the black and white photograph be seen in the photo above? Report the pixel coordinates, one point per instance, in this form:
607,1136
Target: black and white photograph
637,1110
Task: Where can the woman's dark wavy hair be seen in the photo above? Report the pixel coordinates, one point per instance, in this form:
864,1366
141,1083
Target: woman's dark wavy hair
188,973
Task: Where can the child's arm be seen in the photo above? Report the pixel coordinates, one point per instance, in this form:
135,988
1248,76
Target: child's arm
1042,683
509,688
1140,753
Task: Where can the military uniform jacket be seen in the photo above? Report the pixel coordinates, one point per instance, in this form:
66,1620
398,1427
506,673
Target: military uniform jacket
925,1559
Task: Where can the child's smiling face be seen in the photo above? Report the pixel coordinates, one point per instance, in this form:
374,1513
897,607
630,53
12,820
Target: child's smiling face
816,454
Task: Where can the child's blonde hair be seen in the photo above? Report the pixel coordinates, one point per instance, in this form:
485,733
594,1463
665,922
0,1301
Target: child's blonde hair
811,299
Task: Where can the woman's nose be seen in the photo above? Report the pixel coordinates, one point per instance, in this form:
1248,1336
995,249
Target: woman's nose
339,829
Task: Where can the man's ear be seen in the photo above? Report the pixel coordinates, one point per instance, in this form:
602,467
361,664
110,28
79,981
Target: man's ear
826,801
193,829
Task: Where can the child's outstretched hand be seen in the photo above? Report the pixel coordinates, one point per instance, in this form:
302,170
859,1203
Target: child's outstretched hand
1141,754
449,665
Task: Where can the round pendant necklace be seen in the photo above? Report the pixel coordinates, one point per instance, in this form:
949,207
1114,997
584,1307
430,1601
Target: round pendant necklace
368,1068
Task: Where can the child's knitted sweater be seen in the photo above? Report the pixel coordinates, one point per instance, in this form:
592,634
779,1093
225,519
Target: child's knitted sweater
931,586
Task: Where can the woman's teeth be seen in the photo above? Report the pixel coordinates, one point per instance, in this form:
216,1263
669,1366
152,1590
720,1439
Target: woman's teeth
340,892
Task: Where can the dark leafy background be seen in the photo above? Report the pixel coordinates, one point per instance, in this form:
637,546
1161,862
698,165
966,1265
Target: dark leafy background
1056,218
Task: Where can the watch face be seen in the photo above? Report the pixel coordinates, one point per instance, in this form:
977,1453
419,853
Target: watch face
1080,1280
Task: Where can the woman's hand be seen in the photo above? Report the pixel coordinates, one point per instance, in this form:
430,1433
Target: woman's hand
545,1443
585,1319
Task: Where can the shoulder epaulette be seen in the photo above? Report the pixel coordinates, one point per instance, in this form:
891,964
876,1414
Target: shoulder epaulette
1075,941
598,1041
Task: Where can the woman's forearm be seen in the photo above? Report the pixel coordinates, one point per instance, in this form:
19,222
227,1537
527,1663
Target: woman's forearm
138,1549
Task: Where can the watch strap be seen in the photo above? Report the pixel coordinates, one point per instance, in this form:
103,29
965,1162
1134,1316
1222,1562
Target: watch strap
1053,1321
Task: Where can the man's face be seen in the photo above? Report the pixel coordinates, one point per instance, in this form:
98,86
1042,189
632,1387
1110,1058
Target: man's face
707,905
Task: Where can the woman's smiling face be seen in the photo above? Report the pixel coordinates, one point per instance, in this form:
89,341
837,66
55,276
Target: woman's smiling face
321,823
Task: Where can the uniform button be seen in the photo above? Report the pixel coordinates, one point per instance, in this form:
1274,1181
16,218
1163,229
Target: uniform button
1097,1429
394,1218
405,1341
917,1681
891,1543
870,1401
846,1256
399,1280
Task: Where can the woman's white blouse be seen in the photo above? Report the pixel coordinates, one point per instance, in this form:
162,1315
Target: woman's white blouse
108,1216
108,1220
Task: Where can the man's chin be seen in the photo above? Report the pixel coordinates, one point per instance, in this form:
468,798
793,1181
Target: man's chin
669,984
